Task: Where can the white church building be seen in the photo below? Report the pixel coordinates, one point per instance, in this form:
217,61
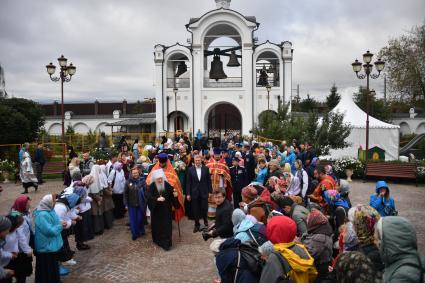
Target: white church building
222,79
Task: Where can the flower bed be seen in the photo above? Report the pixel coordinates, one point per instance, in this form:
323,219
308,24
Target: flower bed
341,164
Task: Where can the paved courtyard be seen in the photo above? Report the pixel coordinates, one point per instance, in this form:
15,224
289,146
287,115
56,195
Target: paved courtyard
115,258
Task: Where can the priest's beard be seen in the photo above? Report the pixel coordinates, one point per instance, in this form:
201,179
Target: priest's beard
160,187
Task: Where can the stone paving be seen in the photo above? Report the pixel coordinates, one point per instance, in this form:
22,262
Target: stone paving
114,257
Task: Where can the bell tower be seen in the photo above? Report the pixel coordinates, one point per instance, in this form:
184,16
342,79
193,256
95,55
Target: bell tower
222,4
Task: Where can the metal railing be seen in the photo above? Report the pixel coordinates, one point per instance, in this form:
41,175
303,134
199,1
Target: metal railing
229,82
178,82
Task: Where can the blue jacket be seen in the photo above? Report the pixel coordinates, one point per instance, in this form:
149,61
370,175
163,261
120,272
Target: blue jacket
291,160
379,203
48,230
261,176
337,201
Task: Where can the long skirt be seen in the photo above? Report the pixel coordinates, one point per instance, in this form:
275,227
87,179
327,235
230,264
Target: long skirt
84,228
136,216
97,214
65,253
119,208
47,268
22,265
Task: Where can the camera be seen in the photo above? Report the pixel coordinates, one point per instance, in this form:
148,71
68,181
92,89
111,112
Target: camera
205,234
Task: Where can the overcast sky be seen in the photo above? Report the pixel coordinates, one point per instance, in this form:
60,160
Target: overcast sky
111,42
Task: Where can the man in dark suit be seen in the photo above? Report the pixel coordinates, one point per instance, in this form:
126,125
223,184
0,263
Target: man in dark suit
198,188
239,181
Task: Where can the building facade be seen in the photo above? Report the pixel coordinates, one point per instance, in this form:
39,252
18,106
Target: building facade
222,79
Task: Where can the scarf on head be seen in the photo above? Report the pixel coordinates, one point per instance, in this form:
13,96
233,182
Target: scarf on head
5,223
95,186
354,267
365,218
21,204
46,203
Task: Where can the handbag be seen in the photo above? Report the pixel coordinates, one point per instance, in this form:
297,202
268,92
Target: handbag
389,211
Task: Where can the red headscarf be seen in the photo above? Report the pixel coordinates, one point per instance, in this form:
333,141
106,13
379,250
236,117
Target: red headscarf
21,204
281,229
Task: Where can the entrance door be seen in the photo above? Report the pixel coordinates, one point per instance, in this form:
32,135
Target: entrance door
224,118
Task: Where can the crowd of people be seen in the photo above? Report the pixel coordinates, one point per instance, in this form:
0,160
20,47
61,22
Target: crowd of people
277,214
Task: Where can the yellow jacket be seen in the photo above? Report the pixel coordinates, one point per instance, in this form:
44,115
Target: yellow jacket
301,262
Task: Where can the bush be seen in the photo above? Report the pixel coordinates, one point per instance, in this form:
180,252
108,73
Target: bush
339,166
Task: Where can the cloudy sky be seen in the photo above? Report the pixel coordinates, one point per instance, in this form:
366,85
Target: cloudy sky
111,42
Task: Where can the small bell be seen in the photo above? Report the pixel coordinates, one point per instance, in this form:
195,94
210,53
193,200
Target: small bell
233,60
216,71
262,81
181,69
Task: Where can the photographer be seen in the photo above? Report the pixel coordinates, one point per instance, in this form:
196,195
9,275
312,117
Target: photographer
223,226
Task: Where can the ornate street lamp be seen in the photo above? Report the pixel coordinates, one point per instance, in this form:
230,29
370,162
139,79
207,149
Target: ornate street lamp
367,67
268,88
65,75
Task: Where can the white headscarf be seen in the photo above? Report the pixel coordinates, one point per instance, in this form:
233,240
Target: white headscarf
95,186
102,176
46,203
159,173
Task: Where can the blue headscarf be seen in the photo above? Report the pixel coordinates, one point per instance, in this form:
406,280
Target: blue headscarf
80,192
72,200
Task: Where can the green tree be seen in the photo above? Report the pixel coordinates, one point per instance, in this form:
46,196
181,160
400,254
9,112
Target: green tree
328,134
70,130
377,107
308,104
405,65
21,120
333,98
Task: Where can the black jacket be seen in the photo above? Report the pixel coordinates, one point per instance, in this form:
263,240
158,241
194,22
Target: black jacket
198,188
239,178
223,220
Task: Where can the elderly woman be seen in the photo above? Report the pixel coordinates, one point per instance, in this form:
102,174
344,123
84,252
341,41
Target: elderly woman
107,202
116,180
26,173
48,241
161,198
95,192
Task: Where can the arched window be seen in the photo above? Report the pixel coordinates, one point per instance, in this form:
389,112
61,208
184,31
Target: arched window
267,69
178,71
222,57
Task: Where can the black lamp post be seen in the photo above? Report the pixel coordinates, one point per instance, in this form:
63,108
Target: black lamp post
65,75
175,90
367,67
268,88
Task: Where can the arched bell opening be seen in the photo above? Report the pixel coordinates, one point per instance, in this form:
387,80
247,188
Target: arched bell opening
267,69
222,57
223,118
178,71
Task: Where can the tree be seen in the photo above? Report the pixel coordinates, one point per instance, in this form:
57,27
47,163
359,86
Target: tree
70,130
377,107
21,120
309,104
333,98
405,65
328,134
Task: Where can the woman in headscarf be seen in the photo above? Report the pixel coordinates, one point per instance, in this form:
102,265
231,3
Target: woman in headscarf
26,173
64,210
365,218
25,239
10,250
72,172
107,202
84,227
116,180
355,267
319,242
48,241
95,190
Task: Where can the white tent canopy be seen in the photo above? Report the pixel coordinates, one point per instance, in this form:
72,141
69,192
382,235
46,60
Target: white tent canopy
381,134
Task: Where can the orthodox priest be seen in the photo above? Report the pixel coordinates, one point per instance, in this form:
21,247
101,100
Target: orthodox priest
173,179
161,198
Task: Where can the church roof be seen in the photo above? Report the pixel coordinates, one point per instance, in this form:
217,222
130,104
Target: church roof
248,18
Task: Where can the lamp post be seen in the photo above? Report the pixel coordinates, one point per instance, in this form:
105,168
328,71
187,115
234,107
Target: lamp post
268,88
65,75
175,90
367,68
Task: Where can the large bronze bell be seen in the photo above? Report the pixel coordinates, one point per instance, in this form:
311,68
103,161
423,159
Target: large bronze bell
181,69
233,60
262,81
216,71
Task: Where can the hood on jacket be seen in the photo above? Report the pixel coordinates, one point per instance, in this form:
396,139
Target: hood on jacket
381,184
244,226
398,240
